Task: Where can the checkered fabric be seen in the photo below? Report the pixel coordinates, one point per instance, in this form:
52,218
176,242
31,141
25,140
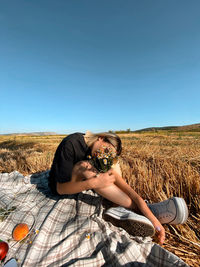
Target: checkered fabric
71,232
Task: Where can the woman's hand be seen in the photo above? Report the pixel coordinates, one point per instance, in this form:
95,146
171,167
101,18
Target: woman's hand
103,179
160,233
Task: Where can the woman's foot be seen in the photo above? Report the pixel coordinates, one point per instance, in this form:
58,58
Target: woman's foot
172,211
133,223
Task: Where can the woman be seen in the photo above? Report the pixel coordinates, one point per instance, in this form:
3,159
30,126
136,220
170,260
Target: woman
71,173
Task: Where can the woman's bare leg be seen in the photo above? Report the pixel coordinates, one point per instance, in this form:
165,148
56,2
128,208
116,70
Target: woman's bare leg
84,170
116,195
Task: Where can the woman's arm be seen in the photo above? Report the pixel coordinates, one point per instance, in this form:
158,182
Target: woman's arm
139,203
73,187
89,180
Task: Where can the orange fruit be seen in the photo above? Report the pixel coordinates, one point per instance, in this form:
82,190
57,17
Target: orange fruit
20,231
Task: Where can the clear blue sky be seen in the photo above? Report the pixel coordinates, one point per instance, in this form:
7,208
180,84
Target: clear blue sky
73,65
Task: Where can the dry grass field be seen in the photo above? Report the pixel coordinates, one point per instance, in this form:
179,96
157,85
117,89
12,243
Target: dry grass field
157,165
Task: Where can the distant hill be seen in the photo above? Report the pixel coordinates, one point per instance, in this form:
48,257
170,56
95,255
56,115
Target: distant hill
33,133
185,128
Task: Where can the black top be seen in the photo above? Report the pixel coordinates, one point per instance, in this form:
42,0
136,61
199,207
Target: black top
71,150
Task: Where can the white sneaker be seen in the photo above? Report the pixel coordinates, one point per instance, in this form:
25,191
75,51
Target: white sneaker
173,210
133,223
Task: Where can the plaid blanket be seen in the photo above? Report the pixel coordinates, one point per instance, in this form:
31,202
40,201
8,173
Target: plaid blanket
69,230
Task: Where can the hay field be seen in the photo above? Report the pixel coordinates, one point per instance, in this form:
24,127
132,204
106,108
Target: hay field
157,165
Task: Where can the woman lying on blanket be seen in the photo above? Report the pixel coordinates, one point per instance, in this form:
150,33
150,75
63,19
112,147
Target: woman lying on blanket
72,172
